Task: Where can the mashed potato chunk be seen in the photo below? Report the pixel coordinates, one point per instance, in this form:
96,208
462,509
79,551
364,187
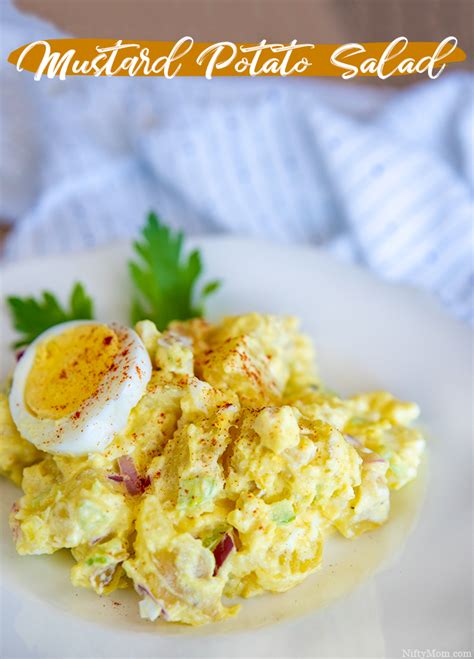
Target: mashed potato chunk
15,452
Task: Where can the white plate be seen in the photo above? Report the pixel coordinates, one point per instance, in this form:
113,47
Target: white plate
405,586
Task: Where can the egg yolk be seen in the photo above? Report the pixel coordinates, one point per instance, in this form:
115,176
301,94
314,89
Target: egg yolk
68,369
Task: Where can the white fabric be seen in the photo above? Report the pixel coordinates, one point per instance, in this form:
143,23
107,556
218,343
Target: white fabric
380,177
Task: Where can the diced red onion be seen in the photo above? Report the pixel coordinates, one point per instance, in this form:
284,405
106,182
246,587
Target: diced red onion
352,440
372,457
95,541
366,454
223,549
100,579
134,483
143,590
115,477
104,577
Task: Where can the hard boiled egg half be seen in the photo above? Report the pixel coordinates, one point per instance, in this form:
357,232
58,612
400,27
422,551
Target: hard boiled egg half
76,384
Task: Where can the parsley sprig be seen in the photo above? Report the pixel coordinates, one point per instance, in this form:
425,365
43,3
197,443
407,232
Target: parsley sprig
164,278
31,317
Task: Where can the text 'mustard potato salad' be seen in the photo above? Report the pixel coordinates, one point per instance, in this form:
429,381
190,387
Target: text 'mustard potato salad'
197,464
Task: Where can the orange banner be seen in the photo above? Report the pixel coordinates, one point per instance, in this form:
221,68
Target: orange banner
107,57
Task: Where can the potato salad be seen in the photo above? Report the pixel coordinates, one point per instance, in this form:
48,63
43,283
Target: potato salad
198,465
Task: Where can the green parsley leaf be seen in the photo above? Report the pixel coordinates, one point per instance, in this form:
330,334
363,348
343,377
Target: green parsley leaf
32,317
164,278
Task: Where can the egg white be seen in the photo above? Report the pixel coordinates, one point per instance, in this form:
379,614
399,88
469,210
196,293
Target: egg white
100,417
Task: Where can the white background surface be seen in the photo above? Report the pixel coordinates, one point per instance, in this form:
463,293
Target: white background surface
368,335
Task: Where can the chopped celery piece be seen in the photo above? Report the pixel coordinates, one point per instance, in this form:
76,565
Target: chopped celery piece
283,512
96,559
196,491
